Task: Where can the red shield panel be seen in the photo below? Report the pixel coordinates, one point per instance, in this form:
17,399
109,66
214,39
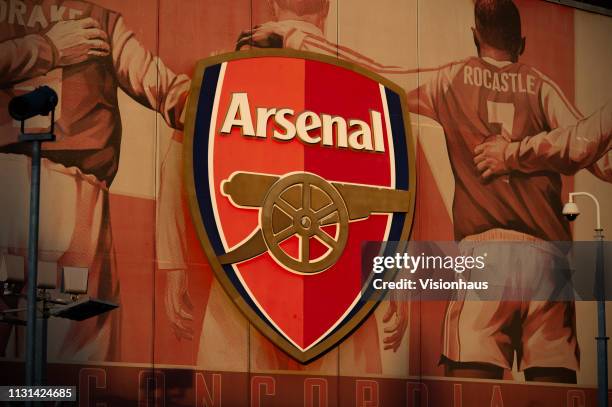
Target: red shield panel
292,161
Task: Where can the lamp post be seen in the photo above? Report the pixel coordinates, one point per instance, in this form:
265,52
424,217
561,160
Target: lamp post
571,211
40,101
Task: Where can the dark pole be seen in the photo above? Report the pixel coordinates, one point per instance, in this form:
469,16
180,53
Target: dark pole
40,101
40,369
33,265
599,292
36,328
602,339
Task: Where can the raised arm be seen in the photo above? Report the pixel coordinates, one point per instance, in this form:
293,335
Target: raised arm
287,34
146,79
566,150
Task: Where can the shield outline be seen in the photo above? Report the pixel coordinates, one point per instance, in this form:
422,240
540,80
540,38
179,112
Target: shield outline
188,181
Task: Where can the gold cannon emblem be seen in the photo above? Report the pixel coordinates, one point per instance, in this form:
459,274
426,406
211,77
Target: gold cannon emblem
302,204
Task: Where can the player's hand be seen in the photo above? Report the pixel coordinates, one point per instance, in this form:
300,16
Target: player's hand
178,304
268,35
397,318
490,158
78,40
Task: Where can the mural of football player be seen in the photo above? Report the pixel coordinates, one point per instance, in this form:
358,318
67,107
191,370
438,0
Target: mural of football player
473,99
86,53
170,240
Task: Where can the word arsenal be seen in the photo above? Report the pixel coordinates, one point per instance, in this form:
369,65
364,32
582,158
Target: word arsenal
309,127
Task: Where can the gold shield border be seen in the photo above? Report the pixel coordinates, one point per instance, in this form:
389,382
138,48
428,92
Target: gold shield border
192,105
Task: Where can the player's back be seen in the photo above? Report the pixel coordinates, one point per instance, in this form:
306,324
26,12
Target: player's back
88,129
476,99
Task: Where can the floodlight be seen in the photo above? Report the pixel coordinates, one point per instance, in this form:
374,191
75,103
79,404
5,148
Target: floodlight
84,308
74,280
40,101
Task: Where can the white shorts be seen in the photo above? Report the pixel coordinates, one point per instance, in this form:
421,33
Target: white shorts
542,333
71,210
74,231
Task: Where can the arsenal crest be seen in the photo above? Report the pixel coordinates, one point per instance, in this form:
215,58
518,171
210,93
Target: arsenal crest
292,161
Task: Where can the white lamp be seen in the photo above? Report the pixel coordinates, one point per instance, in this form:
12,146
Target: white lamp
75,280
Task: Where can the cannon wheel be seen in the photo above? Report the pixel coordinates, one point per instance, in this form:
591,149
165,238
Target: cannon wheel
301,204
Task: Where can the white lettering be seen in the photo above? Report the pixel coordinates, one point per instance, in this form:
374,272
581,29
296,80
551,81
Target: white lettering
308,126
376,120
499,81
531,84
37,17
477,76
57,13
513,77
307,121
361,137
504,79
328,131
496,82
467,75
17,10
486,79
239,106
377,264
282,121
263,115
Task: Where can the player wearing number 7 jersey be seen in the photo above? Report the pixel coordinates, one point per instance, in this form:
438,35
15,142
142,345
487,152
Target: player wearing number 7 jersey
472,99
475,98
